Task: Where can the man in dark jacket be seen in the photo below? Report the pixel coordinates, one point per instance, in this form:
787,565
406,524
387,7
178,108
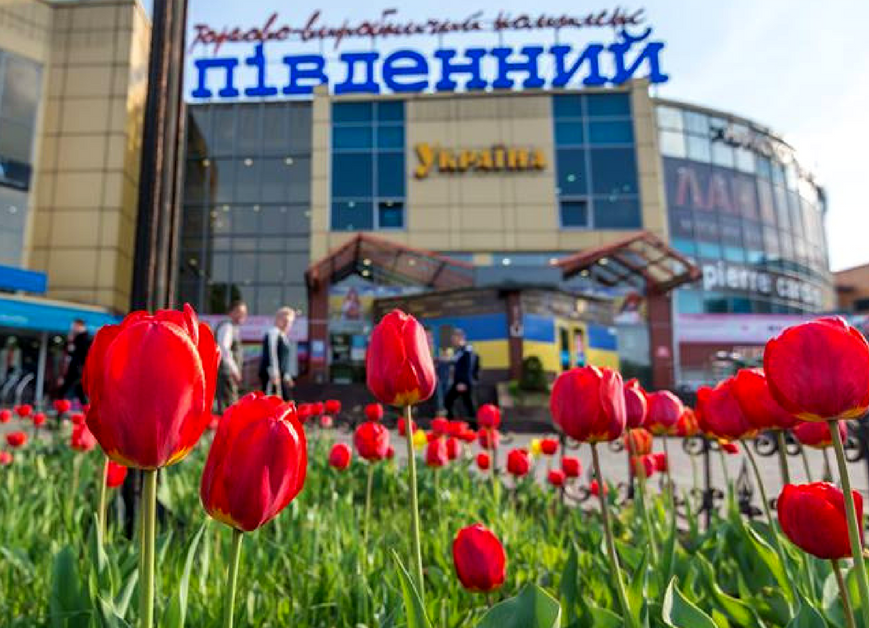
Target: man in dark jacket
77,345
466,372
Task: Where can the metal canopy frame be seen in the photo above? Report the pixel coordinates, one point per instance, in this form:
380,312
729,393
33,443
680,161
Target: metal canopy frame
641,259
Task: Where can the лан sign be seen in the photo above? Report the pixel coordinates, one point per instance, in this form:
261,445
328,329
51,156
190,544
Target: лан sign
632,52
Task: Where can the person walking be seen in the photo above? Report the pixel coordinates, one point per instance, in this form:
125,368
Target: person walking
278,365
78,343
466,372
229,373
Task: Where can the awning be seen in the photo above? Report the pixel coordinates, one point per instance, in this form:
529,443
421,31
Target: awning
387,262
641,259
50,316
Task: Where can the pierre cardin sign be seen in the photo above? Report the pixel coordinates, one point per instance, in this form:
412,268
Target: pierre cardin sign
433,158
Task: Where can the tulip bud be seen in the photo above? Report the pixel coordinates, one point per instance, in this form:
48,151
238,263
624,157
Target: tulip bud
340,456
332,406
5,458
24,410
257,462
454,448
5,415
813,517
38,419
82,439
62,406
549,446
488,437
571,466
420,439
16,439
556,477
720,414
116,474
483,461
479,559
588,404
817,435
636,405
436,453
518,463
371,441
665,408
758,405
374,412
489,415
400,371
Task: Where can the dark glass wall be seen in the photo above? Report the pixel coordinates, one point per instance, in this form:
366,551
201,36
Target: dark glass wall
740,205
247,214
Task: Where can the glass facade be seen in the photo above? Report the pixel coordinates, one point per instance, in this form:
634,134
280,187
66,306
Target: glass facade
20,81
246,224
368,172
596,166
741,207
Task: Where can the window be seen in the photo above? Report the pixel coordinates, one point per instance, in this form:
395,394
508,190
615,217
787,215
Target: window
617,213
672,144
368,169
611,132
698,148
613,171
574,214
572,178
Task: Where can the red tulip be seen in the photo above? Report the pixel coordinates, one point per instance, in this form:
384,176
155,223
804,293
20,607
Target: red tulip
752,392
399,367
340,456
687,425
588,404
82,439
62,406
23,410
257,462
489,415
646,464
549,446
16,439
317,408
817,435
326,421
374,412
390,453
5,415
665,408
720,414
518,462
454,448
116,475
5,458
729,447
468,436
38,419
332,406
440,426
371,441
430,436
479,559
594,488
636,406
661,462
488,437
819,370
436,453
483,461
556,477
402,427
813,517
456,428
304,411
77,418
151,383
571,466
638,441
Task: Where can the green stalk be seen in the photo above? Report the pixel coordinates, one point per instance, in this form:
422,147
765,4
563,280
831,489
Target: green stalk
783,457
772,526
610,542
102,507
232,578
854,527
806,463
640,472
414,506
843,592
146,552
367,508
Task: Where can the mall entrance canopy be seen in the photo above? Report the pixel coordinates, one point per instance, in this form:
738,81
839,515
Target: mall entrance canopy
640,261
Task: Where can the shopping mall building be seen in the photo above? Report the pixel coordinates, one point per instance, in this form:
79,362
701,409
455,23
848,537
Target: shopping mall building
574,219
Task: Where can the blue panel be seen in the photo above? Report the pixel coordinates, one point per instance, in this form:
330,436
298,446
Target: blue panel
48,316
476,327
602,337
12,278
539,327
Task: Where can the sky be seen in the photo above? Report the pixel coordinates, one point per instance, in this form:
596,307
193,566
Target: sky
799,67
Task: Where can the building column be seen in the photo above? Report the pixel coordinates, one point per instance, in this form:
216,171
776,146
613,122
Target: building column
515,331
661,341
318,331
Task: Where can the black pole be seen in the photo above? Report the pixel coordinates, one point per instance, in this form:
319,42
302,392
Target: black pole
158,215
708,497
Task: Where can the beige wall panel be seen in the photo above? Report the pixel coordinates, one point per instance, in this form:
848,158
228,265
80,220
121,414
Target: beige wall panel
113,191
84,115
78,189
90,47
430,240
489,218
78,228
536,218
82,152
94,17
72,268
432,218
89,81
479,240
479,189
537,240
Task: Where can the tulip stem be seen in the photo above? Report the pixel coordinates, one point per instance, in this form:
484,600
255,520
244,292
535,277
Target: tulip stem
772,526
414,506
806,466
843,591
102,504
628,617
146,553
367,509
232,578
783,457
854,527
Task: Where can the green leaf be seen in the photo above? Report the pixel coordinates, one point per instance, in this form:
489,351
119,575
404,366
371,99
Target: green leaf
413,608
678,612
807,615
177,611
637,589
67,606
569,592
738,611
604,618
532,608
